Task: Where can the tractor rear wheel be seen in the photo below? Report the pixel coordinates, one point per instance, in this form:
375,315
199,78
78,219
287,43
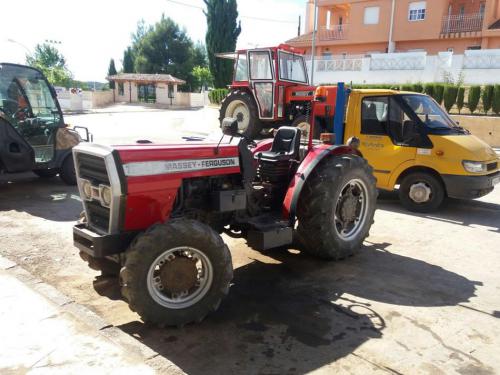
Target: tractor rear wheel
240,105
336,207
176,273
67,172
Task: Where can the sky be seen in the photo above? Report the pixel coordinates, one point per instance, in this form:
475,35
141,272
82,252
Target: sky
91,32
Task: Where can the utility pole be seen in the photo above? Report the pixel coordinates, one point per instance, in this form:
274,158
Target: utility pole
390,47
298,29
313,52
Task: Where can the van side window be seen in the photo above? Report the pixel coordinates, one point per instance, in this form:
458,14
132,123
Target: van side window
401,126
374,112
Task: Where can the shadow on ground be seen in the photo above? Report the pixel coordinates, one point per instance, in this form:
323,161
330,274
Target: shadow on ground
48,198
454,211
299,314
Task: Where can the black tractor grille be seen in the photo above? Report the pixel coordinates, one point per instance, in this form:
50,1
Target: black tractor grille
491,166
93,168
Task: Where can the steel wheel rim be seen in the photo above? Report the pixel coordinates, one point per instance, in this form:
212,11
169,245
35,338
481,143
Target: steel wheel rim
355,194
413,195
239,110
190,297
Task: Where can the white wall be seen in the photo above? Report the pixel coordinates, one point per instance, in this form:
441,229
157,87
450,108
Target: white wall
477,67
85,100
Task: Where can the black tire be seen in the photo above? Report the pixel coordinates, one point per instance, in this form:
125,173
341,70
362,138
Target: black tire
318,231
302,119
255,126
67,172
158,240
46,173
434,184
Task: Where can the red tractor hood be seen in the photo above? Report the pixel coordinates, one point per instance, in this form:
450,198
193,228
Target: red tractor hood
166,152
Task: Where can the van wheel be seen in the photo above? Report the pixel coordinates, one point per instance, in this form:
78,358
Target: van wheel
421,192
67,172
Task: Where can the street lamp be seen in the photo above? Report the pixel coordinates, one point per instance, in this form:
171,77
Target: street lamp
19,43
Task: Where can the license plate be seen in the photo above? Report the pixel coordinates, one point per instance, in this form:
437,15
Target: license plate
495,181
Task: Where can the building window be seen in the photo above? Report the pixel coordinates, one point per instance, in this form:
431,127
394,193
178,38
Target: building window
371,15
417,11
120,88
482,7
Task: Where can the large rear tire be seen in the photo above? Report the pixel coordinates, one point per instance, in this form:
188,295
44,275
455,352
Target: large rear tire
176,273
336,207
240,105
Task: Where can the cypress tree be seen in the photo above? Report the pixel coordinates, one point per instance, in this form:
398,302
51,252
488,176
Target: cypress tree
128,61
111,72
460,99
487,98
222,34
473,99
496,100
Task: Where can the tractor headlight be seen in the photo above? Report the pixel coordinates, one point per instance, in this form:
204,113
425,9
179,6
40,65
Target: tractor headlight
87,190
105,193
474,166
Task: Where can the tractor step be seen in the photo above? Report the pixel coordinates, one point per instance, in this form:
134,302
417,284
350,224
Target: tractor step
269,232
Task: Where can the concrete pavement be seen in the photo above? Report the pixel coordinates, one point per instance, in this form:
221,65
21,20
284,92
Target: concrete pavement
41,335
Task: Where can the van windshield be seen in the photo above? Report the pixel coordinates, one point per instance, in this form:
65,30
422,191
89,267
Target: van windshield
25,96
430,113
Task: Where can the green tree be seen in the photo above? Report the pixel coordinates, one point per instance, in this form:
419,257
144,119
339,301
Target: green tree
487,98
128,61
165,48
111,72
222,34
200,55
450,96
460,99
52,64
496,100
438,93
429,89
473,98
202,76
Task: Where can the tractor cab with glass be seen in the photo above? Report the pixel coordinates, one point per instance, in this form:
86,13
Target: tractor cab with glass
33,135
270,88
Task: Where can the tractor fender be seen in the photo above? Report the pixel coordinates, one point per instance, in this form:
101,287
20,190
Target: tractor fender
305,169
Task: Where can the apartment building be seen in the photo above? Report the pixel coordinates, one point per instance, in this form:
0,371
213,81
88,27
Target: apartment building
363,27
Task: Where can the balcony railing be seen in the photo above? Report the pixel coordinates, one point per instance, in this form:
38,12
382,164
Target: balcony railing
462,23
334,32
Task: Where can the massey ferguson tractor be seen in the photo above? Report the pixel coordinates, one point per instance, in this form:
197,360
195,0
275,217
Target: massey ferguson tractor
154,214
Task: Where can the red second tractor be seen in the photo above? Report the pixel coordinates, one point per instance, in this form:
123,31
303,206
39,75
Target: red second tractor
270,88
154,214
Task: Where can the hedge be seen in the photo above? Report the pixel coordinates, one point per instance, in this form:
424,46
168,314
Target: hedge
217,95
487,98
460,99
496,100
473,99
450,96
438,92
429,89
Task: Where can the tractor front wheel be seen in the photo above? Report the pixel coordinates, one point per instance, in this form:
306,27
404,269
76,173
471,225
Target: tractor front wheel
176,273
336,207
302,122
241,106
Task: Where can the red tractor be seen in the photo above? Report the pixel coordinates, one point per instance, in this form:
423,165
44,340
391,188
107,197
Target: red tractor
154,214
270,88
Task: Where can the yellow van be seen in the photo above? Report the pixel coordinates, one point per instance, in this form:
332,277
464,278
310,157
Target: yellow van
411,142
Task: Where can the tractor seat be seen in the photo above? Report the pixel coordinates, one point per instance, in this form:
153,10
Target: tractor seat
286,145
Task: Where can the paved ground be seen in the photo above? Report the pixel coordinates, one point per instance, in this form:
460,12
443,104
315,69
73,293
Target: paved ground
40,336
422,296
